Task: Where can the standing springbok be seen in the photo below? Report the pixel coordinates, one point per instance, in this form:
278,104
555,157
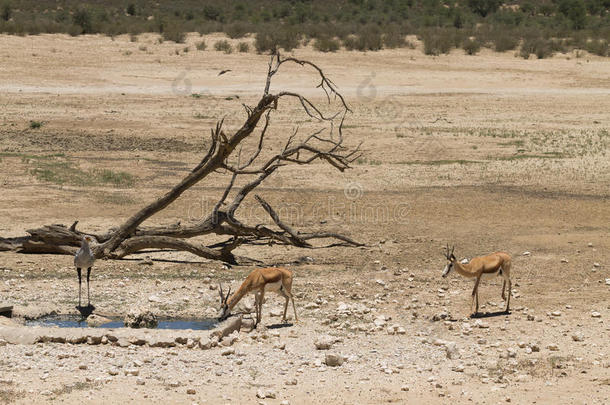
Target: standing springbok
486,267
275,279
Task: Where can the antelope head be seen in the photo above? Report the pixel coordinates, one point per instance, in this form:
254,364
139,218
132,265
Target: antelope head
224,306
450,261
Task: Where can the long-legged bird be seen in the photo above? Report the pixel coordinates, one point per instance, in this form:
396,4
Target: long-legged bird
84,259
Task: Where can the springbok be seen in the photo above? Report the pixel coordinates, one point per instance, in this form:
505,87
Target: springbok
276,279
483,267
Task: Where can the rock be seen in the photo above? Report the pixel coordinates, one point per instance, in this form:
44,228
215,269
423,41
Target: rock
154,298
596,314
451,350
608,281
404,388
564,260
578,337
140,381
191,391
206,344
553,347
140,318
174,384
265,394
311,305
596,265
292,381
227,327
147,261
556,313
113,371
333,360
526,253
94,320
227,351
324,342
458,369
132,371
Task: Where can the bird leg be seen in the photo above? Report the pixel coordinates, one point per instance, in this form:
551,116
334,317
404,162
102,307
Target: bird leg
79,284
88,299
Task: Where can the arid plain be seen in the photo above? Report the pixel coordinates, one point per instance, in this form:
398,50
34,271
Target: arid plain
488,152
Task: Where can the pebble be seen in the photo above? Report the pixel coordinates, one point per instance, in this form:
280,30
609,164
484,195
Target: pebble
564,260
526,253
404,388
596,314
553,347
227,351
191,391
292,381
324,342
556,313
333,360
578,337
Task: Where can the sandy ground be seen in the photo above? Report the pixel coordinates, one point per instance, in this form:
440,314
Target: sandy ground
487,153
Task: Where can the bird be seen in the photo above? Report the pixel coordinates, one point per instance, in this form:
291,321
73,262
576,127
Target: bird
222,72
84,259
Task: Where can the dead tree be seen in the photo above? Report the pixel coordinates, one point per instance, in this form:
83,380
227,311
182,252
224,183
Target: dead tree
224,155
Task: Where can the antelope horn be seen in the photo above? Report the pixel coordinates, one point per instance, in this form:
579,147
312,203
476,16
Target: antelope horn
452,249
228,294
220,292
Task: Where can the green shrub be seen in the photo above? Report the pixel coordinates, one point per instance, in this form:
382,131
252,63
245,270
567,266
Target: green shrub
6,11
36,124
471,46
243,47
131,9
394,38
224,46
504,41
326,44
237,29
437,41
201,46
270,39
82,18
537,46
597,47
173,33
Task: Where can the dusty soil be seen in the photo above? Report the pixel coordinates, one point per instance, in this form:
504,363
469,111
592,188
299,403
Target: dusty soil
488,153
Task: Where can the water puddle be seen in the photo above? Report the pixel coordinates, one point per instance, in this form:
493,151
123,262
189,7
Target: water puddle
75,321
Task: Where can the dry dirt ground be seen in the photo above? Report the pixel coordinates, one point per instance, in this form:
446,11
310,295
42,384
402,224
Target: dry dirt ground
486,153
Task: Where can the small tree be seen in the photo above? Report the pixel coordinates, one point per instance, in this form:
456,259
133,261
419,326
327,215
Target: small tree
484,7
6,12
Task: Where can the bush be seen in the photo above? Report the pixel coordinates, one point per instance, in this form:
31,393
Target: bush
82,18
394,38
173,33
131,9
35,124
237,29
504,41
6,12
243,47
597,47
270,39
326,44
471,46
536,45
201,46
484,7
224,46
437,41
